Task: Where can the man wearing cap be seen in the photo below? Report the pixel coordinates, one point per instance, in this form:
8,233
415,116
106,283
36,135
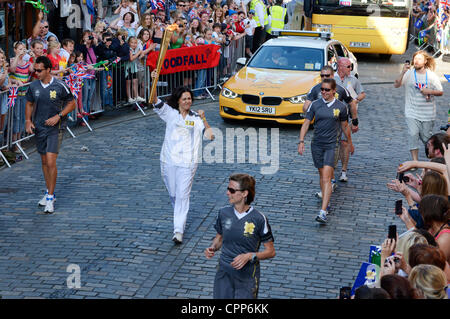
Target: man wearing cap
262,19
250,25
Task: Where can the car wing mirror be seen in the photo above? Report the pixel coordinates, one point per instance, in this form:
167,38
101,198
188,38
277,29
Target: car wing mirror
241,61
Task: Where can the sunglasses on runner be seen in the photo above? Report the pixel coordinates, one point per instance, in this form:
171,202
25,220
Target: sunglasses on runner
325,75
325,89
232,190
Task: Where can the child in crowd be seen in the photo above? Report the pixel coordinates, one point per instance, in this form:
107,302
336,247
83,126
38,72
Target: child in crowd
250,25
55,58
20,75
131,72
79,60
146,45
4,98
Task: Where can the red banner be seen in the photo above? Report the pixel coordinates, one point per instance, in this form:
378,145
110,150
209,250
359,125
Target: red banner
187,59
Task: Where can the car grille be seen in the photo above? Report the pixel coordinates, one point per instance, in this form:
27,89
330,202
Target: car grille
250,99
271,100
290,117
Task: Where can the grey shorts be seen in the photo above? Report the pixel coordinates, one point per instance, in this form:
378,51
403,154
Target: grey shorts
418,132
49,143
322,156
229,286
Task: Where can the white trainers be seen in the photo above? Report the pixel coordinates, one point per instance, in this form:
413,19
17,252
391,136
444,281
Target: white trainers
322,217
343,177
140,99
178,238
43,201
333,188
131,100
49,206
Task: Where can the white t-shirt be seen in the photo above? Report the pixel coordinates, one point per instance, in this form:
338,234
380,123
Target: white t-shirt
416,105
252,25
183,137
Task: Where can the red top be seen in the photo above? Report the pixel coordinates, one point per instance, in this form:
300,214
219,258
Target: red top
55,62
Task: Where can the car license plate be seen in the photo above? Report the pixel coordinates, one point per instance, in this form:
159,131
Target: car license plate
360,44
260,109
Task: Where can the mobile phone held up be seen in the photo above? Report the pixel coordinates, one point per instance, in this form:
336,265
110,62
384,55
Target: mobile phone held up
392,232
398,207
344,292
402,178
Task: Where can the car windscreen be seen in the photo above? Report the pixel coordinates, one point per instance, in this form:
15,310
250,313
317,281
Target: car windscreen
288,58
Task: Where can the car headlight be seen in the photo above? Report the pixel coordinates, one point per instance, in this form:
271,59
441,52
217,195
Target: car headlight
298,99
229,94
322,27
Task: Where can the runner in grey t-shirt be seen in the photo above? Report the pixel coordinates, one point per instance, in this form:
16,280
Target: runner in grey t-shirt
342,95
240,231
50,100
330,116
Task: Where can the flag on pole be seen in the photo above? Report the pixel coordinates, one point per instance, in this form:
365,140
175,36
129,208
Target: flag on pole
12,96
447,76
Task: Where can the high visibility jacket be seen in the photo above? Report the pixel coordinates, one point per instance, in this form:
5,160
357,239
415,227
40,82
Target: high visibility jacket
277,15
256,17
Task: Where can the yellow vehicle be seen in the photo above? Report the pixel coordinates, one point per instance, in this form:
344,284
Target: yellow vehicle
273,84
365,26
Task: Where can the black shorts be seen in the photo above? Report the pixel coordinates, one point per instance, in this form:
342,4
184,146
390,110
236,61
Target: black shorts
49,143
248,41
322,156
132,76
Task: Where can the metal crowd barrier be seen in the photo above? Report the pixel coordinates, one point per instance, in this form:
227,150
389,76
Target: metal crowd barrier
110,93
430,39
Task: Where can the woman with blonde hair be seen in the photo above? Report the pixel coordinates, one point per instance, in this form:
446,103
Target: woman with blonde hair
146,22
429,281
407,241
218,15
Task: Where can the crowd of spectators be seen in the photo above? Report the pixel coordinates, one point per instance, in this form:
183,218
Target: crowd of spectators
432,24
131,37
415,265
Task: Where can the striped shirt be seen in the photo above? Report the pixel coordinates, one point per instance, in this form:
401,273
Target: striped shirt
22,74
416,105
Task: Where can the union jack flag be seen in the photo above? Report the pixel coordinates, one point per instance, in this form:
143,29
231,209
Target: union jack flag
74,83
12,96
157,4
420,85
444,3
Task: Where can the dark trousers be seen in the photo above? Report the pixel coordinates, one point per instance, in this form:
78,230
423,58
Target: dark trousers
258,38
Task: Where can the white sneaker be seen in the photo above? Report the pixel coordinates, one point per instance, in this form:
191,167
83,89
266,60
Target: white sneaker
43,201
322,217
140,99
49,206
178,238
333,185
343,177
333,188
131,100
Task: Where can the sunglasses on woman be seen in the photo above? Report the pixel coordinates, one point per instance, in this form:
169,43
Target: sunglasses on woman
232,190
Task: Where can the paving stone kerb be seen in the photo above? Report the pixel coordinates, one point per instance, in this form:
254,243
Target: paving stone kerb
114,219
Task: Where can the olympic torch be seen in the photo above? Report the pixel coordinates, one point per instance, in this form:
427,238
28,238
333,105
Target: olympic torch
162,53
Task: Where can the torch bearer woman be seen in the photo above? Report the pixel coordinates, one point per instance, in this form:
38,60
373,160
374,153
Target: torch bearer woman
179,154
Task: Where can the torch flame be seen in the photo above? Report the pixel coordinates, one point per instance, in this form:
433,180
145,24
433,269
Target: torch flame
172,27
